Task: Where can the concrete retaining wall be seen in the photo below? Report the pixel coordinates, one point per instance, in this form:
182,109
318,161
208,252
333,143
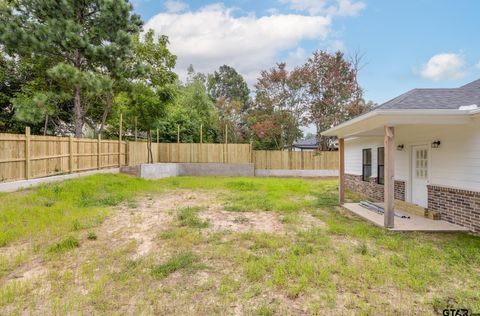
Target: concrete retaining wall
22,184
164,170
217,169
295,173
159,170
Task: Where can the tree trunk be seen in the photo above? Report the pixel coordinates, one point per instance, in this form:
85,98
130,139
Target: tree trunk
45,125
108,105
149,147
77,110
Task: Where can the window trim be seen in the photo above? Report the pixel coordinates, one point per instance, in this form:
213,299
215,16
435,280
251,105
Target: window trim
380,181
364,178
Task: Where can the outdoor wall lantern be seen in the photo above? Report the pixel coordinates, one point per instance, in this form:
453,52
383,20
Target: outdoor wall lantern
400,147
436,144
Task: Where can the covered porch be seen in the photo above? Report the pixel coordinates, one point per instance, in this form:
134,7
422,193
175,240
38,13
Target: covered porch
383,124
414,223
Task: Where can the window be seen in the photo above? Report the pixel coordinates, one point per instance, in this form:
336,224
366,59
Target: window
380,167
367,164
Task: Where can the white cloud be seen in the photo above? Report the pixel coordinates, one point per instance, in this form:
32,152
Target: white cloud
478,65
444,66
349,8
337,45
296,57
327,7
213,36
173,6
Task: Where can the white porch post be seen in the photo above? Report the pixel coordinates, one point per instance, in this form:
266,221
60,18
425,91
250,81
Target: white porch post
389,188
341,171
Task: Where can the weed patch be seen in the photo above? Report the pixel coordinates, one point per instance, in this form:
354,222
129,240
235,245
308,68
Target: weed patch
183,261
188,217
92,236
65,245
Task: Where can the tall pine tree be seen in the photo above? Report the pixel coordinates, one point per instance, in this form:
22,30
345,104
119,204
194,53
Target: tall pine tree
86,36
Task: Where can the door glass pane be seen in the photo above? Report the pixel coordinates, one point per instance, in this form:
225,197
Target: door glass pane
421,163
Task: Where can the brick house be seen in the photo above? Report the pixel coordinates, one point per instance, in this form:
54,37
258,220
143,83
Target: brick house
422,147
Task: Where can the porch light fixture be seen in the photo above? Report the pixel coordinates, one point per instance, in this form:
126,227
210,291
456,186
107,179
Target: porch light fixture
400,147
436,144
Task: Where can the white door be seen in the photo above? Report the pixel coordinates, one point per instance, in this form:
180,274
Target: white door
420,172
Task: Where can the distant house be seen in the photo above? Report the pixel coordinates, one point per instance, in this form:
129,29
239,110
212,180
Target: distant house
421,147
310,144
307,144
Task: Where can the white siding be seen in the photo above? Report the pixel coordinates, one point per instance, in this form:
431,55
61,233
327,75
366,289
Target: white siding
353,154
455,164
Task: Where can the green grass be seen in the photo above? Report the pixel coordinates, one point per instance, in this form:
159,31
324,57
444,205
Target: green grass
51,210
345,266
183,261
65,245
188,216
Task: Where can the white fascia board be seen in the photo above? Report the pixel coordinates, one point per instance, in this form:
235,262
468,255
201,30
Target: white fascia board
377,118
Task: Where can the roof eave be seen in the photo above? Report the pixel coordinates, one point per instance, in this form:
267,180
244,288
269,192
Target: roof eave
389,117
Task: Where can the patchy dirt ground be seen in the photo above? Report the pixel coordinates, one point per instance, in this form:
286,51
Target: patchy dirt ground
242,221
284,256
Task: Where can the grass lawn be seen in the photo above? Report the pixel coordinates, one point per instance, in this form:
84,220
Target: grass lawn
113,244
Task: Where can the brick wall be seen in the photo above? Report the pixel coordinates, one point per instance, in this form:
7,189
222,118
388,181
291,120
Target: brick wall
460,207
371,188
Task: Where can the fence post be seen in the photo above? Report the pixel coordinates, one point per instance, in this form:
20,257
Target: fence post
27,152
127,153
120,141
178,143
70,152
99,149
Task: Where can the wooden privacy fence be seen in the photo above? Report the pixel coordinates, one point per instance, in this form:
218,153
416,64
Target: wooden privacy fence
24,156
188,152
27,156
295,160
234,153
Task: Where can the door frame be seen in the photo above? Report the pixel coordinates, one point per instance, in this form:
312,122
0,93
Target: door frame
411,167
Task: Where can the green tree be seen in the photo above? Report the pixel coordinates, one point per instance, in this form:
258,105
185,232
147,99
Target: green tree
333,91
228,84
84,36
231,95
153,60
28,95
12,78
148,107
282,95
193,108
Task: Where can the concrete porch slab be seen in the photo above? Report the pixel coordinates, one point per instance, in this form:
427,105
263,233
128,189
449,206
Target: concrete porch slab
414,223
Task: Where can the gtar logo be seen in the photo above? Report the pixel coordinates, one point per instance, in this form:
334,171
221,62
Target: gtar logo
455,312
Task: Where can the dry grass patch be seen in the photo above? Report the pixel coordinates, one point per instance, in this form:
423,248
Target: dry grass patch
241,222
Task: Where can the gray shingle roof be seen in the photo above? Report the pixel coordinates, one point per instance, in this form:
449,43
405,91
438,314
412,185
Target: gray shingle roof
307,143
468,94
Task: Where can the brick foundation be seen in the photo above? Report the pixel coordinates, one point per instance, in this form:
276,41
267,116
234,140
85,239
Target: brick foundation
371,188
457,206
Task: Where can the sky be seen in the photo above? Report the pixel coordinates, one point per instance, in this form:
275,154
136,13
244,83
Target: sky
405,44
